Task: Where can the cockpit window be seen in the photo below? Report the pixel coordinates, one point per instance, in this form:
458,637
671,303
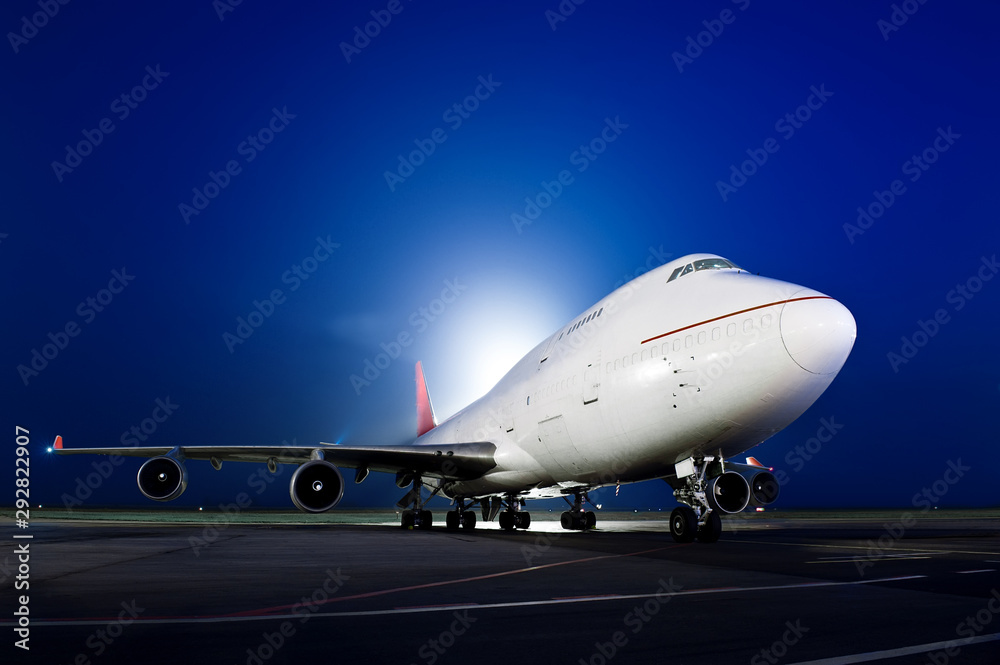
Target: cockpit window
703,264
712,264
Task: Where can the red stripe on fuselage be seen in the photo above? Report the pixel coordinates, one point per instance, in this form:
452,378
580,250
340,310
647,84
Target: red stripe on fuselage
725,316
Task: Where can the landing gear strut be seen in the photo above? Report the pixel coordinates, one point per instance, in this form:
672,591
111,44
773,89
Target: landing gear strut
513,517
460,518
577,518
416,517
697,518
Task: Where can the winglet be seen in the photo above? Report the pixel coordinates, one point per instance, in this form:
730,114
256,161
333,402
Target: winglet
752,461
425,410
58,443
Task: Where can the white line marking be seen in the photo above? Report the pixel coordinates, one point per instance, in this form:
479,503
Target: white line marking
902,651
851,560
969,572
450,608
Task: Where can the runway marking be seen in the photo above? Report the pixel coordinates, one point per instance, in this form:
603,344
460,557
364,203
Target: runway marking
915,556
901,651
970,572
852,547
461,580
231,618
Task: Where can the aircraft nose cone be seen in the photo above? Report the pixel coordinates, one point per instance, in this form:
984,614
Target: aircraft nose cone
818,333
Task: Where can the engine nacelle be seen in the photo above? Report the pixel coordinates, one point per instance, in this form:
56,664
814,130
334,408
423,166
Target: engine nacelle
162,479
728,492
316,486
763,488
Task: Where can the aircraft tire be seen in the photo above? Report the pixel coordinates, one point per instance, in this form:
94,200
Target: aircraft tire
683,524
710,531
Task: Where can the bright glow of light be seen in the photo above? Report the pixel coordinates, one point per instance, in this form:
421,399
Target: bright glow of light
485,337
49,449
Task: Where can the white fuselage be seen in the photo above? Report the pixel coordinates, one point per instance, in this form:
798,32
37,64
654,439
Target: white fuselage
712,362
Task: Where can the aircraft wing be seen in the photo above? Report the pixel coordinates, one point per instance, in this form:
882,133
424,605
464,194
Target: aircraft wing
455,461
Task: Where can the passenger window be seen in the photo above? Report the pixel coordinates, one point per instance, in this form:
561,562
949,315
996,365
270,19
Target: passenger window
748,325
677,344
702,336
689,341
765,321
716,334
730,330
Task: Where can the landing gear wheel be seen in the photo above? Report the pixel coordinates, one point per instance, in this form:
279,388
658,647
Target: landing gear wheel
683,524
507,521
468,520
589,520
451,520
426,519
566,520
406,520
710,531
522,520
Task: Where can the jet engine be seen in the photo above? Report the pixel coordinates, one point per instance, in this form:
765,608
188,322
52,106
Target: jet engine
728,492
763,488
316,486
162,479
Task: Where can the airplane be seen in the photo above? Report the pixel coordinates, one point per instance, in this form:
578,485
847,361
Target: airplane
668,377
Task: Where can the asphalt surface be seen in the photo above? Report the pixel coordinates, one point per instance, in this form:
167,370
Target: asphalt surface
774,591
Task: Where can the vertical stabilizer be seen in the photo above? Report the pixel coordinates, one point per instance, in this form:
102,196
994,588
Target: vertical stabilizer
425,410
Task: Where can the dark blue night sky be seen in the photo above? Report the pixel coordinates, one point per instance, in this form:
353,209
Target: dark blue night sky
217,215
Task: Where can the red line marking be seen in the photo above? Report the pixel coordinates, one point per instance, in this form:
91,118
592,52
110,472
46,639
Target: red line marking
725,316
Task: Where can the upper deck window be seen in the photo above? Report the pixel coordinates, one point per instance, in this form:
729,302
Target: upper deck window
702,264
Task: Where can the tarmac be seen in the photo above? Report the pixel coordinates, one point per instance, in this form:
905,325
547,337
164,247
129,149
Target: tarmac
776,590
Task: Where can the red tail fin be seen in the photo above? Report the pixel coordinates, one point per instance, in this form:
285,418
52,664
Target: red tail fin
425,410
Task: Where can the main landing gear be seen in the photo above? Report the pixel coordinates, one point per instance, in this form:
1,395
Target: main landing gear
697,517
462,517
415,517
577,518
513,517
